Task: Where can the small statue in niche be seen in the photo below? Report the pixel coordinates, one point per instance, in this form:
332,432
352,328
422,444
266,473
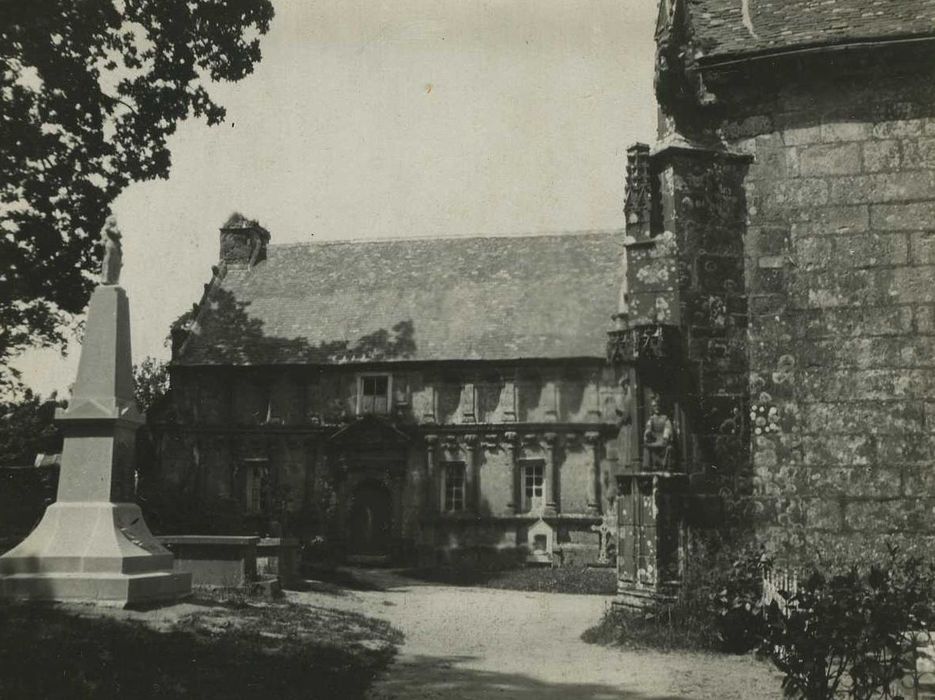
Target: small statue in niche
113,252
657,438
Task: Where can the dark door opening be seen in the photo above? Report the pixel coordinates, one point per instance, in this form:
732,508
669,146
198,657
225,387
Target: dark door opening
370,520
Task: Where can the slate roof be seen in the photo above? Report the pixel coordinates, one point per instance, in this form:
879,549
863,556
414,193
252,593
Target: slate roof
725,28
489,298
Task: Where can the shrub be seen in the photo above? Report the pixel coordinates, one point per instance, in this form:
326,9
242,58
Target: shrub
857,632
737,605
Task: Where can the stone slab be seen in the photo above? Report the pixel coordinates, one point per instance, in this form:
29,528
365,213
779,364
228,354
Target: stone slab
211,540
217,561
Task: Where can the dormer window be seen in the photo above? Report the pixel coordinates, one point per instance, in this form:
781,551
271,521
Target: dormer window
373,394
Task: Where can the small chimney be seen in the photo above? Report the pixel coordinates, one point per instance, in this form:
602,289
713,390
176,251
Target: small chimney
243,241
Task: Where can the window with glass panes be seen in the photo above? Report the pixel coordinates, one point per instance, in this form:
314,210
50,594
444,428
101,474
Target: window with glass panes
533,483
374,394
454,486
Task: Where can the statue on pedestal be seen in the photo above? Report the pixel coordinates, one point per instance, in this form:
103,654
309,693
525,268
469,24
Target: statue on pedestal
657,438
113,252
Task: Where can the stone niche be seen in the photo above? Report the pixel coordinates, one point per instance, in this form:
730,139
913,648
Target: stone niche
539,540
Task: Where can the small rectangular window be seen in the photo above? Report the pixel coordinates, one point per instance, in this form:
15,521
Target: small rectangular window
454,487
374,394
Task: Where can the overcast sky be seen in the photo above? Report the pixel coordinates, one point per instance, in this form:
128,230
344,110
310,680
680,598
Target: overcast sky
370,119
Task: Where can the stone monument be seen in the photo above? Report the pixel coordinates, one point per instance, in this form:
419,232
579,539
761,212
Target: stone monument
92,544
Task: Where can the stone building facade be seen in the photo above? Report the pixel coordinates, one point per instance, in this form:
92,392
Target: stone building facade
780,234
438,397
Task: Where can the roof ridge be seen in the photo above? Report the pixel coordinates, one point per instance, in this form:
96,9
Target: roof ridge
456,237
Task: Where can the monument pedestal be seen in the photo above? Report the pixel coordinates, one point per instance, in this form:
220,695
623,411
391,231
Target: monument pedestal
100,552
93,544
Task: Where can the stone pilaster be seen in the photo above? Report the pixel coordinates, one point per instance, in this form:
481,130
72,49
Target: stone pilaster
430,415
509,444
553,474
593,442
551,397
470,443
508,399
468,402
432,490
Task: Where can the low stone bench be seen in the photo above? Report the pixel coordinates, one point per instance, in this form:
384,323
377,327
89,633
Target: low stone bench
214,560
279,556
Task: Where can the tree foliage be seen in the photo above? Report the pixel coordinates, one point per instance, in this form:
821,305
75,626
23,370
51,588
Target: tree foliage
150,382
27,428
91,90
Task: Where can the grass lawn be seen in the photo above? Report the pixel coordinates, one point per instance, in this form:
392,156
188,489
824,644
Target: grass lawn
226,648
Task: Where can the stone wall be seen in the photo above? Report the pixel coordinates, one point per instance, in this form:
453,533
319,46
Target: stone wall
840,276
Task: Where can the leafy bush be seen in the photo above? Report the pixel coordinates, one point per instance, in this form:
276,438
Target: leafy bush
736,607
858,632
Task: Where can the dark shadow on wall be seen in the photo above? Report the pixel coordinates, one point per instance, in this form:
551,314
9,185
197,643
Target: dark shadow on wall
431,676
225,333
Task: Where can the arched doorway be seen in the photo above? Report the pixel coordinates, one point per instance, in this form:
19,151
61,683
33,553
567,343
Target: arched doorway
370,519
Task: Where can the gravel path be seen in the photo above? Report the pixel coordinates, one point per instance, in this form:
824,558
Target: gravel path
485,643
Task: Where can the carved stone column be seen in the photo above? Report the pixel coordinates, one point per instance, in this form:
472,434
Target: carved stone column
593,442
553,470
471,501
509,444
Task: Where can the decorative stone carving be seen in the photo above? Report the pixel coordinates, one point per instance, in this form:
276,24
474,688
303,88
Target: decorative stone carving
491,442
638,206
607,539
643,343
450,443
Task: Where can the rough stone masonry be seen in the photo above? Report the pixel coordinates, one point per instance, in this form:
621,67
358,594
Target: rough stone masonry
837,122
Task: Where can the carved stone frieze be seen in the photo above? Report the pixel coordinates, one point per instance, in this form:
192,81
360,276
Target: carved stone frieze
638,206
655,343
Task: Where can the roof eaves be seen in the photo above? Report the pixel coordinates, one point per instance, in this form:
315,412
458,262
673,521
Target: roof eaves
727,59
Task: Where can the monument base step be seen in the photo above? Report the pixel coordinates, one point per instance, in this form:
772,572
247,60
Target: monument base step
96,551
120,590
